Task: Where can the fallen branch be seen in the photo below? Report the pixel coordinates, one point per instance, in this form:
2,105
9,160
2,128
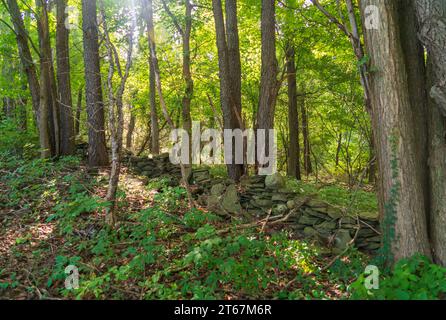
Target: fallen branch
267,221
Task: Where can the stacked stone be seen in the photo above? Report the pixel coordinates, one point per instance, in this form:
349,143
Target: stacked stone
202,178
259,196
262,194
331,225
155,167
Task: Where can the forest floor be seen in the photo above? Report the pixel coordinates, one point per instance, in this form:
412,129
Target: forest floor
52,216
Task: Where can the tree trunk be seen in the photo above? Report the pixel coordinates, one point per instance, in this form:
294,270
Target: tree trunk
78,110
154,126
97,150
189,84
338,150
432,21
268,82
130,129
44,137
235,67
372,161
116,114
63,81
399,126
305,133
230,76
47,85
149,18
293,117
25,56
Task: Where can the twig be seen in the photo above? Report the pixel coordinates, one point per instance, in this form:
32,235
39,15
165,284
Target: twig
267,220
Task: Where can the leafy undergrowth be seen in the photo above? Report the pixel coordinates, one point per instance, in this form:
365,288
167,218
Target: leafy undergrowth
52,216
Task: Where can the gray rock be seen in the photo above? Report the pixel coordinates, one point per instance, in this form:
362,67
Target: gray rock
263,203
308,220
342,239
373,246
333,212
218,189
366,232
317,214
275,181
279,197
213,204
280,209
291,204
310,232
230,201
326,225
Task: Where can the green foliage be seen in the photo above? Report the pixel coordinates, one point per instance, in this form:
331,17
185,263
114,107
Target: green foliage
77,204
9,283
196,218
416,278
60,264
31,179
17,142
385,255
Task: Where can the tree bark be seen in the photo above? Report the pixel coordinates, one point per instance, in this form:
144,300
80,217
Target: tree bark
116,114
269,72
305,133
25,55
230,76
97,150
398,119
130,129
154,126
293,117
67,146
47,94
78,110
432,22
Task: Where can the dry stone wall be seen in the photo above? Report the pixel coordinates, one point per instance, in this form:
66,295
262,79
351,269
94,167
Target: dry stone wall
259,196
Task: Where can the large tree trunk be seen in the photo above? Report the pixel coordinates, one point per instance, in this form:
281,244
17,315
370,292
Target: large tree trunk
154,127
293,117
189,90
235,67
78,110
44,137
230,74
63,81
398,119
268,81
47,80
25,55
130,129
97,150
432,19
305,133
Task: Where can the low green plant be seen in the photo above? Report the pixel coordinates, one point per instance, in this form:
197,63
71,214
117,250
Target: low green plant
416,278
